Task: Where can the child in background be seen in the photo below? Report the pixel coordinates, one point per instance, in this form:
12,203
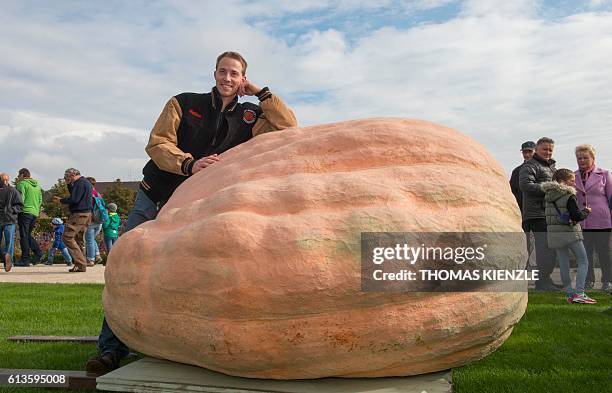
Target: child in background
564,232
58,244
111,227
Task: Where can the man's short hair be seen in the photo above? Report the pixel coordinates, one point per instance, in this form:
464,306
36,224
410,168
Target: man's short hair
4,176
72,172
235,56
544,139
24,172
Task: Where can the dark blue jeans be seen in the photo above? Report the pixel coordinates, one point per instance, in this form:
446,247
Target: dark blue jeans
26,223
144,210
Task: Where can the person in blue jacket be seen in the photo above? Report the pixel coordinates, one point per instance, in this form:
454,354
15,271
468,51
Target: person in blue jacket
58,244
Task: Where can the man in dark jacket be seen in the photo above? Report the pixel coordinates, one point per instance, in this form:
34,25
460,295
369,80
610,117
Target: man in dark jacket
539,169
10,206
79,203
527,149
190,135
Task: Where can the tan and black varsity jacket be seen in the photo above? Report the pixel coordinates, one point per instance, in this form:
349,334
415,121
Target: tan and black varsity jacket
192,126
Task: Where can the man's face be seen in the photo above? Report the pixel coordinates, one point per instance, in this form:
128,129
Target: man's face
228,76
4,180
527,154
68,178
545,150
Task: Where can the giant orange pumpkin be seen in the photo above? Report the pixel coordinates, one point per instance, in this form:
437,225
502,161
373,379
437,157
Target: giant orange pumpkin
252,268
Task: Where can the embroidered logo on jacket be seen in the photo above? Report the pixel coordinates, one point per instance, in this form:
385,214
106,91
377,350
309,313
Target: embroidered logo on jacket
249,116
196,114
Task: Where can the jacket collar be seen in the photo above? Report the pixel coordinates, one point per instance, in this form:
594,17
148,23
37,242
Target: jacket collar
594,178
218,104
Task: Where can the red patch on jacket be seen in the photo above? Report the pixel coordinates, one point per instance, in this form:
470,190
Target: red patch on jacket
196,114
249,116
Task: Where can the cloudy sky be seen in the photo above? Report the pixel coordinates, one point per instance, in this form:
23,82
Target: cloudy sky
82,83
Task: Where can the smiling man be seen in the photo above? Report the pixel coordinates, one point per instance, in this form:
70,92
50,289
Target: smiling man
188,137
193,129
535,171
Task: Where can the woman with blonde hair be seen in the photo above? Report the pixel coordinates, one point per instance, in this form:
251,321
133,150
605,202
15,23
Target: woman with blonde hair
594,190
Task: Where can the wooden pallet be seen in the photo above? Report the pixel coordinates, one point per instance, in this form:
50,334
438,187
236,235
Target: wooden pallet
71,339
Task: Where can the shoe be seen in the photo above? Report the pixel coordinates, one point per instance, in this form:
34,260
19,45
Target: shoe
22,263
570,298
90,263
606,286
98,259
100,365
7,263
77,269
37,258
582,298
49,263
589,285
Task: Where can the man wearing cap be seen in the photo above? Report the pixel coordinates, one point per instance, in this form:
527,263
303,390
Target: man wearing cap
191,134
527,149
10,207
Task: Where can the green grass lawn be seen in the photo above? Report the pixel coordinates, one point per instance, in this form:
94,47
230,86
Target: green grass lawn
556,347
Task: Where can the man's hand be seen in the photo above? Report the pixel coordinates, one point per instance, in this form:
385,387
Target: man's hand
248,88
56,199
204,162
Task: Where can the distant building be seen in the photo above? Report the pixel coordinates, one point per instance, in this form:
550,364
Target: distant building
103,186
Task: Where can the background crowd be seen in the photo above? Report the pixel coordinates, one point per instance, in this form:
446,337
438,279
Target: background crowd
21,207
565,210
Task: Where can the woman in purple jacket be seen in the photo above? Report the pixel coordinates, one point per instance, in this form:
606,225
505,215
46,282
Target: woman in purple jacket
594,190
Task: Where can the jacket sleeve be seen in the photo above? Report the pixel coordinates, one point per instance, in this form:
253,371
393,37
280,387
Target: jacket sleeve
162,146
575,213
20,187
514,187
16,204
527,181
76,193
276,116
609,188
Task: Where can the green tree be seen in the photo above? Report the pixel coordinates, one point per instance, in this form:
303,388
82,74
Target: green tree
52,209
122,196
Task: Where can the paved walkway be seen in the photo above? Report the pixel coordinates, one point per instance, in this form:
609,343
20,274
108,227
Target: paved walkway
57,273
